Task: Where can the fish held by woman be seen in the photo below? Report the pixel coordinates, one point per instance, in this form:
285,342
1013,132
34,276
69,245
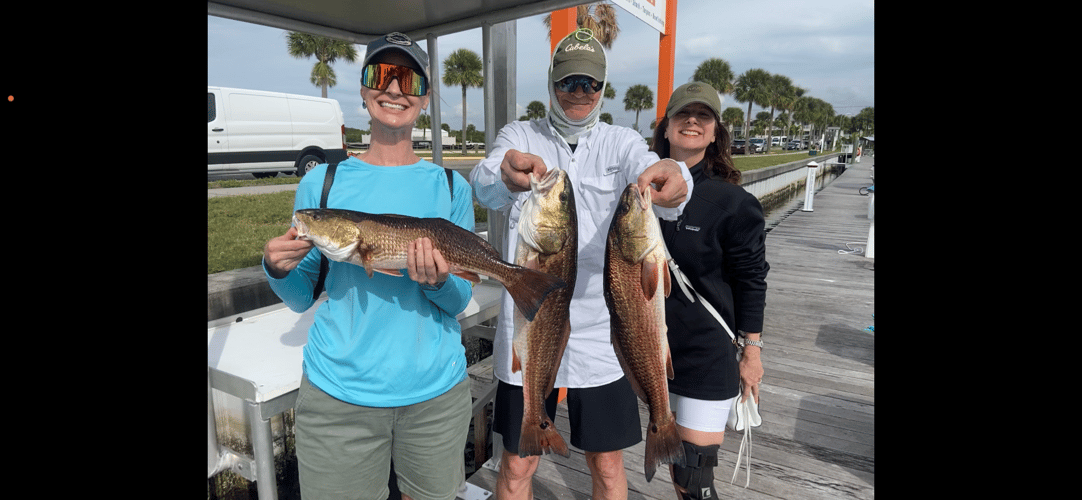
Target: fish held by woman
379,243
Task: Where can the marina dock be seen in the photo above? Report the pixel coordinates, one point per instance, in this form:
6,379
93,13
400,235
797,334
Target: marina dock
817,399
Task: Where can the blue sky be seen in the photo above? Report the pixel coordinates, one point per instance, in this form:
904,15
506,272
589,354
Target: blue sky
827,48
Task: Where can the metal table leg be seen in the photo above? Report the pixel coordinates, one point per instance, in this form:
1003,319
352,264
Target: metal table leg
263,450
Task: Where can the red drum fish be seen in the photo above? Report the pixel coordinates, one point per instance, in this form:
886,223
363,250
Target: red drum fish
379,242
636,283
548,242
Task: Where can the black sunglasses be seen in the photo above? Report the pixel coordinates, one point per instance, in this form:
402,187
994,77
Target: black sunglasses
589,85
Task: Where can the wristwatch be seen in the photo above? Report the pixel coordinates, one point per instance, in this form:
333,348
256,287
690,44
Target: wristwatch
756,343
745,342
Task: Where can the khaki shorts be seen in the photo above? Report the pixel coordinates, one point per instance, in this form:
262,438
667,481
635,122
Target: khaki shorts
345,451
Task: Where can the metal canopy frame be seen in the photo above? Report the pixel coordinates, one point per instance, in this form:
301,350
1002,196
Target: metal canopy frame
361,21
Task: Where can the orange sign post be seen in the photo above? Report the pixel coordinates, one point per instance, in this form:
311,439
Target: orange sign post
666,59
564,21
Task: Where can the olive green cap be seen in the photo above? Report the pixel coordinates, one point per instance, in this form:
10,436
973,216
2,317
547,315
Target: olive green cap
579,53
693,92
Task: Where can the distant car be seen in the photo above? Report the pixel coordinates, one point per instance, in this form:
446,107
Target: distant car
758,145
738,147
793,145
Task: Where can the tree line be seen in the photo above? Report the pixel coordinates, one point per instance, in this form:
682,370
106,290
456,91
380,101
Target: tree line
791,108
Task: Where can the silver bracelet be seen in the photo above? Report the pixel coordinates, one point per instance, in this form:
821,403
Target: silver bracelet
744,342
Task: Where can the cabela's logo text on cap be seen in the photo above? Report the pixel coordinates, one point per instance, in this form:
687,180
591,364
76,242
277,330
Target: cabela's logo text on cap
578,46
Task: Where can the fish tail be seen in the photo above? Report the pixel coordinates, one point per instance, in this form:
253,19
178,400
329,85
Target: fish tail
530,289
663,445
539,439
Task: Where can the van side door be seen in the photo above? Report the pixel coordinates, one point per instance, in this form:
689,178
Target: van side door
217,137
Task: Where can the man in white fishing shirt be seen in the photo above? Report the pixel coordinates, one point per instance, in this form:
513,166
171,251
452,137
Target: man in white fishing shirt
601,160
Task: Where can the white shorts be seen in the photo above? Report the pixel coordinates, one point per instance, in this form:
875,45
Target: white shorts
700,415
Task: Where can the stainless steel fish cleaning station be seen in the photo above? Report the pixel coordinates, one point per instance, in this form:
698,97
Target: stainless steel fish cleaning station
256,356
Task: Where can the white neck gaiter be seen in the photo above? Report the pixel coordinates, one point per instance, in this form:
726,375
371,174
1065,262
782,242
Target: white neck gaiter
567,128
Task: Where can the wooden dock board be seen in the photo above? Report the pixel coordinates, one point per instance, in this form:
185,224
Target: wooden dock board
817,400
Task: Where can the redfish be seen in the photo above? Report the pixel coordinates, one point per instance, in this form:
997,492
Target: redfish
379,242
636,282
548,242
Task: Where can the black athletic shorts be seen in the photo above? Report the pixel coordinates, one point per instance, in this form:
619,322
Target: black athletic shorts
602,418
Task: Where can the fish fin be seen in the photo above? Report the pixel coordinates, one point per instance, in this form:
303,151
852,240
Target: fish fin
530,288
649,278
516,364
392,272
668,283
541,438
669,372
364,255
533,261
663,446
467,275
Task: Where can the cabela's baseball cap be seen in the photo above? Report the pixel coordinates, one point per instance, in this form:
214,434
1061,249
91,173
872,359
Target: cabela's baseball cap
401,42
693,92
579,53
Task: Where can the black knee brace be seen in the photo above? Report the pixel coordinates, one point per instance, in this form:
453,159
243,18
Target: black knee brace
697,477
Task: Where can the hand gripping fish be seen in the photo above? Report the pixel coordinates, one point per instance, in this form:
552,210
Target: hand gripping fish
548,242
636,283
379,242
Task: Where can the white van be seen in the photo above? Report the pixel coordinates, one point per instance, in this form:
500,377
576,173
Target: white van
269,132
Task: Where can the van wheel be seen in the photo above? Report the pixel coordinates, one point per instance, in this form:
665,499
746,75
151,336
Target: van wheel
308,163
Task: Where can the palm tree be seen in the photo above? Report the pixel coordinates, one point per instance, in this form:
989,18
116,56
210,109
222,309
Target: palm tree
536,109
731,116
717,73
424,122
463,67
788,103
865,121
610,93
638,98
816,112
598,17
762,123
326,50
779,87
750,87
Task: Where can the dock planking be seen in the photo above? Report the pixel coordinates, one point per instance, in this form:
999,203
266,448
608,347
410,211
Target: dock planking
817,398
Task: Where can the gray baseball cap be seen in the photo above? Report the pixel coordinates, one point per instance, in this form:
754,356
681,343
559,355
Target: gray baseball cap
693,92
579,53
401,42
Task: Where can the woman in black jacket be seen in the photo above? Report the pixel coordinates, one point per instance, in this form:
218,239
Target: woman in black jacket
719,243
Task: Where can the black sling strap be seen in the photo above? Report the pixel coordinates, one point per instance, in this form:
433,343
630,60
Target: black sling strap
324,264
